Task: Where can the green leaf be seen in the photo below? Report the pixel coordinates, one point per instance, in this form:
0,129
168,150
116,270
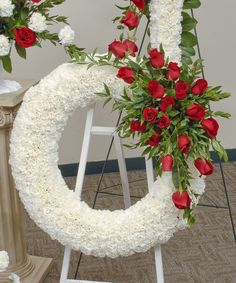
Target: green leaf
188,39
222,114
191,4
175,177
21,51
188,23
6,62
187,50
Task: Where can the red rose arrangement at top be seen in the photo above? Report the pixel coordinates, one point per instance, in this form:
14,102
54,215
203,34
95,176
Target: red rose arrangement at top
166,107
25,24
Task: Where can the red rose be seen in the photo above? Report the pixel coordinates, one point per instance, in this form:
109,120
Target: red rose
36,1
143,128
130,19
173,71
154,140
211,126
196,112
24,37
167,163
166,102
181,200
164,122
199,87
204,166
118,48
127,74
139,3
181,89
131,47
156,58
184,143
136,126
150,114
156,90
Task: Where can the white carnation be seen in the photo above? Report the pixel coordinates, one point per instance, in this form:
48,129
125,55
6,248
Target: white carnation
6,8
14,278
37,22
165,27
66,35
4,260
5,45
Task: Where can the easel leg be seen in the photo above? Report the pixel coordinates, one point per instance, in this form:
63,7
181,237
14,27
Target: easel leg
157,249
79,184
123,171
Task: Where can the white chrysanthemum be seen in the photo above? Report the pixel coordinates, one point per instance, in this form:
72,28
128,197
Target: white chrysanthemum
66,35
5,45
14,278
37,22
6,8
4,260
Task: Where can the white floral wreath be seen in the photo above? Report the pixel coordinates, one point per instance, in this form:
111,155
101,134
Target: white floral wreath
58,210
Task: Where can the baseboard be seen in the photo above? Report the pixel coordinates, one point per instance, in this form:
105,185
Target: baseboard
137,163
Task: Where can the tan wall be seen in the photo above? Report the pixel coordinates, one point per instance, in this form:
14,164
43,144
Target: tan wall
92,21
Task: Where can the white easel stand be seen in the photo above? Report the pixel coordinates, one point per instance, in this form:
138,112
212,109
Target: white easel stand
107,131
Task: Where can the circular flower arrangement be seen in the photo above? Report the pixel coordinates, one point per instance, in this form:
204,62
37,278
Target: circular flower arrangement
166,106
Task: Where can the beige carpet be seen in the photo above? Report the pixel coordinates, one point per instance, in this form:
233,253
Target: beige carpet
204,254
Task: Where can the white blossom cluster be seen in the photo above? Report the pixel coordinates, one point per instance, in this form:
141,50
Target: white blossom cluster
66,35
56,209
5,45
166,28
4,261
37,22
6,8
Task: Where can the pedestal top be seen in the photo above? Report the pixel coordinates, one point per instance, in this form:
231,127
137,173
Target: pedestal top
14,98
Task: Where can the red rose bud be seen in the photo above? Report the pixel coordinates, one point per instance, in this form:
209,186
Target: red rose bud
184,143
181,90
181,200
24,37
199,87
36,1
135,126
164,122
154,140
155,89
211,126
156,58
150,114
166,102
167,163
204,166
196,112
143,128
118,48
173,71
139,3
131,47
127,74
131,19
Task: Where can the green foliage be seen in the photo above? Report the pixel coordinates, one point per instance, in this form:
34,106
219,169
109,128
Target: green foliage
6,62
191,4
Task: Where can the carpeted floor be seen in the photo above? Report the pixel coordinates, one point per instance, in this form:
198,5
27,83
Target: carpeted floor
204,254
